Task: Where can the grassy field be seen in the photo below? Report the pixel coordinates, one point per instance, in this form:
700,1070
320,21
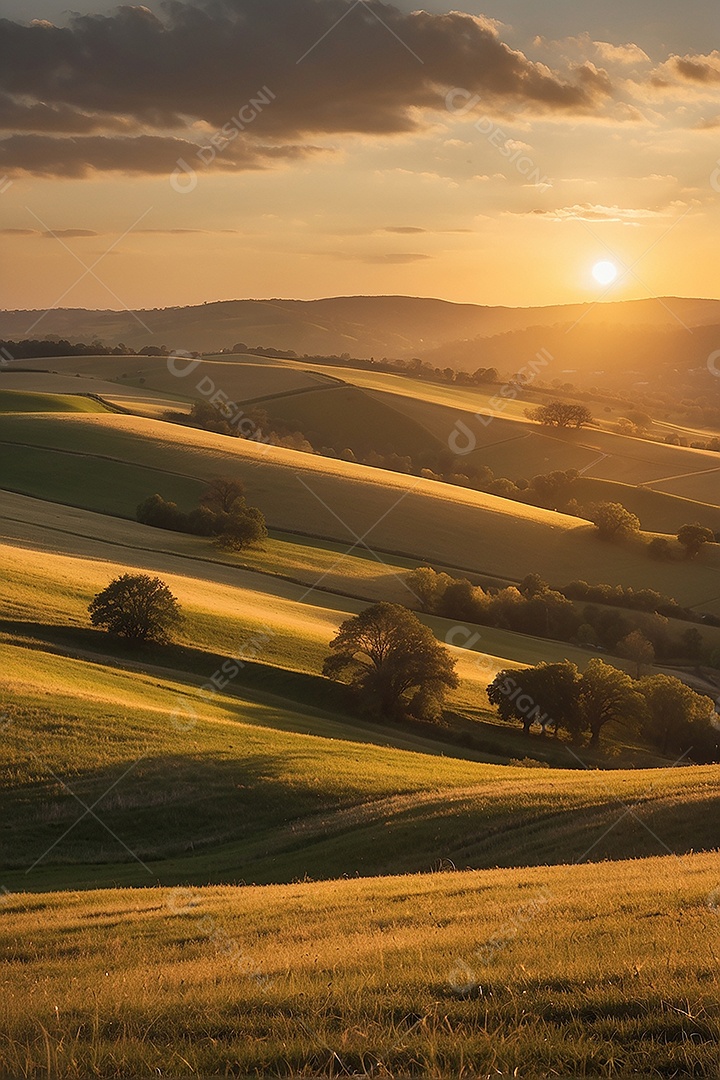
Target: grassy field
53,384
340,501
242,378
321,565
258,881
349,417
294,623
515,447
18,401
435,975
679,471
248,785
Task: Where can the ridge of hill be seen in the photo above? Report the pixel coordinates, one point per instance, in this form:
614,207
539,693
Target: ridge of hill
362,325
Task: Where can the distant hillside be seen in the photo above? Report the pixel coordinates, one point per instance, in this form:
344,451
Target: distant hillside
363,326
601,354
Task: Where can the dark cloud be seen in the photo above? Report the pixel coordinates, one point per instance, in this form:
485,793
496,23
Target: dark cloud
41,117
329,67
79,157
698,69
404,229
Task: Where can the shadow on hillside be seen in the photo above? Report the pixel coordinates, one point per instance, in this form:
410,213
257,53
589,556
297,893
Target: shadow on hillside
335,701
207,819
337,710
153,807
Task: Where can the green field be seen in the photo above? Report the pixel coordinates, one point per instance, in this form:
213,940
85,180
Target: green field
345,416
242,378
344,502
665,485
248,785
588,971
18,401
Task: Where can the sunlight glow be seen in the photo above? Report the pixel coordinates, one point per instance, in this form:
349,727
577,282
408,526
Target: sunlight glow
605,273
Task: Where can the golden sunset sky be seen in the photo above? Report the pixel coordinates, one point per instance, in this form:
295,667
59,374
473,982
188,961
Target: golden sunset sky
493,155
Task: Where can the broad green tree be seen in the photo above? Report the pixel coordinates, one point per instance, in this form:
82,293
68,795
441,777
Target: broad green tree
138,607
222,494
562,414
675,712
638,649
393,660
546,695
606,693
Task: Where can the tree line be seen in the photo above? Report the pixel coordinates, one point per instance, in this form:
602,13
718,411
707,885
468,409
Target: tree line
534,608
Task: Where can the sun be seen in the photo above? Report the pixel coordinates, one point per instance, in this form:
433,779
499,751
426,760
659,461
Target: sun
605,272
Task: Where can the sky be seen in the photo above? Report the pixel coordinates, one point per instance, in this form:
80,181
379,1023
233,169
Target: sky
486,152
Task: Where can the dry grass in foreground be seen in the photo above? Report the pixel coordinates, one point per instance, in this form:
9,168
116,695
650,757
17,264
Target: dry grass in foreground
584,971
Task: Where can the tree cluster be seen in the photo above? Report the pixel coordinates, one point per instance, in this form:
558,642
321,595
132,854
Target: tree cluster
672,716
30,348
223,513
625,596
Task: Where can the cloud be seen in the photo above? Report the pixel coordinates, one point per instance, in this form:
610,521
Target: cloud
402,229
621,54
41,117
689,77
583,45
80,157
329,66
51,234
596,213
389,259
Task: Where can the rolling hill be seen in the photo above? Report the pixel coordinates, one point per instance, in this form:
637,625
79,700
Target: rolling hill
250,784
361,325
188,829
111,462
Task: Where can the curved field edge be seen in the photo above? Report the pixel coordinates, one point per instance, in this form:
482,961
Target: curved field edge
435,975
344,502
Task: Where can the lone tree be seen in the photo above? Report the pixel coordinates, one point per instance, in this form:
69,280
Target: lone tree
694,537
394,661
562,414
613,520
138,607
